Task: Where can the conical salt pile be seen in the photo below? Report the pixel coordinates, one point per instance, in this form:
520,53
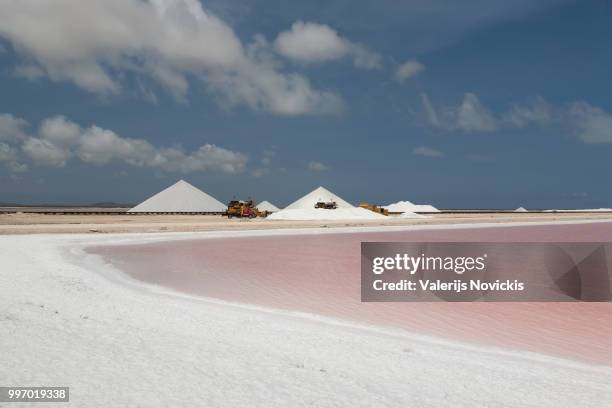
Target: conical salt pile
304,209
180,197
320,194
267,206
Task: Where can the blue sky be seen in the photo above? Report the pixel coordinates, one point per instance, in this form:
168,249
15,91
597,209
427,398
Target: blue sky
475,104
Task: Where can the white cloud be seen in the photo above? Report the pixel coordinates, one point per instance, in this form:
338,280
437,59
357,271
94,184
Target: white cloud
94,43
472,116
12,128
45,153
427,152
590,123
317,43
364,58
52,147
264,89
311,42
9,158
101,146
59,131
58,140
538,112
213,158
6,152
430,111
317,166
408,70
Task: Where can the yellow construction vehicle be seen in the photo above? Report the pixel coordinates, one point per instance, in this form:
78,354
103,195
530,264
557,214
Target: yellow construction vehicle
375,208
243,209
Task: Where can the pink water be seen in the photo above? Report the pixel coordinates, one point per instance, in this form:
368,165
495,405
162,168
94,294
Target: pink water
321,274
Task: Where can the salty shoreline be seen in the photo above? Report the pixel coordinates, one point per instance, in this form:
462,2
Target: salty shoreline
319,273
26,223
65,309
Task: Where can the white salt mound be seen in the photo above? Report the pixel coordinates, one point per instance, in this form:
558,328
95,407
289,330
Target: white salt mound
521,209
308,214
267,206
304,209
320,194
407,206
180,197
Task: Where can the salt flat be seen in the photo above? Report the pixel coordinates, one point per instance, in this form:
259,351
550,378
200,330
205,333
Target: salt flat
68,319
27,223
321,274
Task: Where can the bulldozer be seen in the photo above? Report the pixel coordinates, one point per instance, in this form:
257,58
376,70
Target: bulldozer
243,209
327,205
375,208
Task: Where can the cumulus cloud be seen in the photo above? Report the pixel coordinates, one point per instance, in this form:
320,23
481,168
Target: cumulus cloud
538,112
59,140
43,152
9,158
94,43
408,70
59,130
283,94
317,166
316,43
470,116
427,152
12,128
590,123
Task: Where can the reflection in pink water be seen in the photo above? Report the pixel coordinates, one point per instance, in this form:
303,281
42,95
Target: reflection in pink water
321,274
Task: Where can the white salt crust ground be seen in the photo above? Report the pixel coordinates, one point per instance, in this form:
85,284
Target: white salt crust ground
68,319
355,213
584,210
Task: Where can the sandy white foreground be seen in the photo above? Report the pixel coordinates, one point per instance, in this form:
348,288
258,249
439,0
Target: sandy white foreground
65,319
323,214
